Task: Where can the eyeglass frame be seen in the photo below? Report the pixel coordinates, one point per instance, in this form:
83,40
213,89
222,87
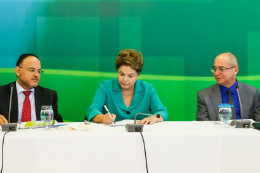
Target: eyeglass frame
213,70
32,70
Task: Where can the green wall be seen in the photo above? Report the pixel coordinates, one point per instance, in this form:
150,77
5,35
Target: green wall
78,40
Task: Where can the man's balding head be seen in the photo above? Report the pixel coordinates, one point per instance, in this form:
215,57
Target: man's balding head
229,57
226,69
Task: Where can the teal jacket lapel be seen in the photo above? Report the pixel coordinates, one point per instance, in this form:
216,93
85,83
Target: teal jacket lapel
138,94
117,92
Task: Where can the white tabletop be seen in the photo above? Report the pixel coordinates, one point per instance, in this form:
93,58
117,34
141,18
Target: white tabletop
171,147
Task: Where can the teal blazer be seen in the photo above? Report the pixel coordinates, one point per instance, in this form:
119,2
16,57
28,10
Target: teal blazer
145,100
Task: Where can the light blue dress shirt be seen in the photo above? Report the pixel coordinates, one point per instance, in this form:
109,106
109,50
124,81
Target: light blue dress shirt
145,100
21,97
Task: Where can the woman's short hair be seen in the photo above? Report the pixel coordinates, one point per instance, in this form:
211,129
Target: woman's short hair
130,57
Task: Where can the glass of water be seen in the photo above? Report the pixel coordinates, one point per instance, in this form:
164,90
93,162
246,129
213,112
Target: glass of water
47,115
225,112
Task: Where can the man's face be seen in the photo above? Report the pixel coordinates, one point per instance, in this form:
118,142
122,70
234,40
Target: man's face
28,72
226,77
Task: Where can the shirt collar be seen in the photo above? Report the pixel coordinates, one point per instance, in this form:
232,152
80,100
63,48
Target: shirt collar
225,89
21,89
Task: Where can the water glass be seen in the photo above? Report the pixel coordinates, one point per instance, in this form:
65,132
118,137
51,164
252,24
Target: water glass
47,115
225,112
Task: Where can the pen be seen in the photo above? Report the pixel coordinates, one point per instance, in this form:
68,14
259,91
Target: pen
108,112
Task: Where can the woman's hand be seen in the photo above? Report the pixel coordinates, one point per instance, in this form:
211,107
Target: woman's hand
105,119
109,118
148,120
151,120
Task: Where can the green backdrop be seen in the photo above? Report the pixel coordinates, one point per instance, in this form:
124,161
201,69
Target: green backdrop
78,40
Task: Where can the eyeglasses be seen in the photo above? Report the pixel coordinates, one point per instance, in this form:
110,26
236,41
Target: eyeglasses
32,70
221,69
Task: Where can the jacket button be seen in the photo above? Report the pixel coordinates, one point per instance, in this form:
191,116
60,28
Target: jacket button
128,112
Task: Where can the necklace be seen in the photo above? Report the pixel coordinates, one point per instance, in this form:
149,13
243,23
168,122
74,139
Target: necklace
127,94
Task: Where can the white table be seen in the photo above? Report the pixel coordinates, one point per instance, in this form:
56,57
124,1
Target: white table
181,147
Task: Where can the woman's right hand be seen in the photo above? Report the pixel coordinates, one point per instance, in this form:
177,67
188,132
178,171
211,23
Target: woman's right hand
109,119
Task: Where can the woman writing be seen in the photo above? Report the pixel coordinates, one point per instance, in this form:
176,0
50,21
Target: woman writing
126,95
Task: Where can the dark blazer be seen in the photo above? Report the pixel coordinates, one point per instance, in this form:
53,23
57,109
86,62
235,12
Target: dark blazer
209,99
43,96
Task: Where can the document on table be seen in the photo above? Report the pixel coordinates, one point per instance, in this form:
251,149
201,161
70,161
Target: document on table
76,126
122,123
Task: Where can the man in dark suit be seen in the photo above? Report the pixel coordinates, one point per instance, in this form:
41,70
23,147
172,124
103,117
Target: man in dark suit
225,70
27,97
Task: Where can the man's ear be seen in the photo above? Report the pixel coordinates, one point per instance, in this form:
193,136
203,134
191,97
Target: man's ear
17,71
236,69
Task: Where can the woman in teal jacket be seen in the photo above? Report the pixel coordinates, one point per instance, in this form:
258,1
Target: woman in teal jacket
126,96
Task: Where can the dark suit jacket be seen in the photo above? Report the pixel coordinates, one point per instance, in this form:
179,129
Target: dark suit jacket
209,99
43,96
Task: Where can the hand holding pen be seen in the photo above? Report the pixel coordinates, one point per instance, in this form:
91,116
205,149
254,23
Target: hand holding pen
108,118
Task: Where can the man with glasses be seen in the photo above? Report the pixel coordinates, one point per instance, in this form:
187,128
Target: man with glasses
225,69
27,96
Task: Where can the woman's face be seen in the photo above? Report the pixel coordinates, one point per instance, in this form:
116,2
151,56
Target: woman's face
126,77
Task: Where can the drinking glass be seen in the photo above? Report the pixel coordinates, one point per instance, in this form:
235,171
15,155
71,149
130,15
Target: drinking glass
47,115
225,112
